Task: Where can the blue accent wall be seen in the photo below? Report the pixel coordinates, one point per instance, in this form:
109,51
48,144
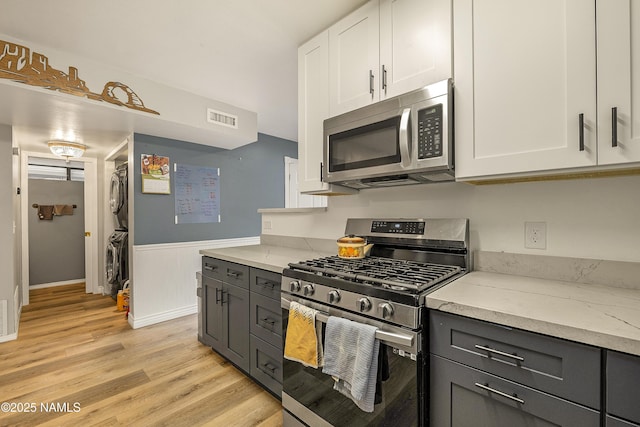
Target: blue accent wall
251,177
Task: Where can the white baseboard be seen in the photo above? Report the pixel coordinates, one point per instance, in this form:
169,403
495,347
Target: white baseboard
10,337
161,317
52,284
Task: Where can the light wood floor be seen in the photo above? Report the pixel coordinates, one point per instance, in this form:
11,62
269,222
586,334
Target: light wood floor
74,350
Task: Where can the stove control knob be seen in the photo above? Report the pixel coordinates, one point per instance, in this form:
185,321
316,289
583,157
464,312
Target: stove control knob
334,297
364,304
308,290
387,310
294,285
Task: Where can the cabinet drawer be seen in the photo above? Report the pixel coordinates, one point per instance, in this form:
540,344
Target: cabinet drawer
266,319
623,378
465,397
266,283
559,367
266,365
212,267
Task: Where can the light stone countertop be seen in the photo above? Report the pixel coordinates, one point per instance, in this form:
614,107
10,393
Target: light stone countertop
566,302
602,316
267,257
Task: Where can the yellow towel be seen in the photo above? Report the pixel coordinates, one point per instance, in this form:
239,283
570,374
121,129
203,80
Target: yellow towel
304,341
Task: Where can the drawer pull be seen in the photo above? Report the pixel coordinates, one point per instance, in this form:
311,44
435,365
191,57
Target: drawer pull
269,367
210,267
233,274
268,321
514,397
267,284
501,353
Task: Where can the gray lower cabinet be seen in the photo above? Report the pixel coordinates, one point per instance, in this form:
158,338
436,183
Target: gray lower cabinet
242,319
483,374
623,380
266,329
226,310
465,397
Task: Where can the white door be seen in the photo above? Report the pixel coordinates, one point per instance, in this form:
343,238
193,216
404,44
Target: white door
91,225
618,81
525,77
415,44
354,59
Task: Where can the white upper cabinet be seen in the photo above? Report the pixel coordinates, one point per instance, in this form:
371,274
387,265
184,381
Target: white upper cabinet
313,109
415,44
618,23
388,48
525,78
353,60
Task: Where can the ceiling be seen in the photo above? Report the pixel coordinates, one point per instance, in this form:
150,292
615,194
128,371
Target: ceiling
242,52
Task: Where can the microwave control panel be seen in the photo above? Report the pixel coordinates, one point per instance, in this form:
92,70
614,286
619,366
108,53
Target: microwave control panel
430,132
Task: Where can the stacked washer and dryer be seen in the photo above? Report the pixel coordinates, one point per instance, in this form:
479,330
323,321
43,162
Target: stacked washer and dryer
117,259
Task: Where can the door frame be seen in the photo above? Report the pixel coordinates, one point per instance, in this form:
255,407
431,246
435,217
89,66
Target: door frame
90,220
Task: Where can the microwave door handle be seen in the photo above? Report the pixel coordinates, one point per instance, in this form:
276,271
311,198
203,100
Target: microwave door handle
405,158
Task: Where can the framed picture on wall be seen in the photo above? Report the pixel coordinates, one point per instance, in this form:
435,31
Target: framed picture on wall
156,174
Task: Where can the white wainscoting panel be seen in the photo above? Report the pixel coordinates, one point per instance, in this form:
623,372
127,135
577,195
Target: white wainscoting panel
163,285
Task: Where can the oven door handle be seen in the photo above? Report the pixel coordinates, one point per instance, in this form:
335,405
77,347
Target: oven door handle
384,337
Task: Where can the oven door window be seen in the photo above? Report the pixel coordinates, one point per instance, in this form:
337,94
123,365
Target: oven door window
400,395
375,144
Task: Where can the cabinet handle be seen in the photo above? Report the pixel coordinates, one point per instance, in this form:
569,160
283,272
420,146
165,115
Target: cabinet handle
320,171
581,130
217,298
513,397
268,366
233,274
614,127
268,321
501,353
371,83
384,78
267,284
222,297
210,267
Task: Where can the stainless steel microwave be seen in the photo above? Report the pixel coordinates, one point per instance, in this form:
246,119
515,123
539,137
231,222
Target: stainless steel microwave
403,140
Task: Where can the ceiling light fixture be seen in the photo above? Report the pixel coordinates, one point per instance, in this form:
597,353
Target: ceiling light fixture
66,149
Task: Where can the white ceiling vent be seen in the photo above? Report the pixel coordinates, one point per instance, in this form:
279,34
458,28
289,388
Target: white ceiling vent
222,119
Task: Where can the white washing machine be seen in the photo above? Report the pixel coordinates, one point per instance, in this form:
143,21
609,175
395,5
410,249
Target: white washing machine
118,195
117,261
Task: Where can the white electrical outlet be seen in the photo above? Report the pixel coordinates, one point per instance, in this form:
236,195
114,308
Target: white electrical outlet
535,235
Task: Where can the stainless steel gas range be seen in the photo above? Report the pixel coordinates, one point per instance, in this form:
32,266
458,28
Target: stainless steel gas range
387,289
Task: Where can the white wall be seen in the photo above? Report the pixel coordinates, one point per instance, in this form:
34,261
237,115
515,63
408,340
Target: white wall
588,218
9,278
164,278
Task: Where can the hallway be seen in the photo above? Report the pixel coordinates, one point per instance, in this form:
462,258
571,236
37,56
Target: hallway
77,362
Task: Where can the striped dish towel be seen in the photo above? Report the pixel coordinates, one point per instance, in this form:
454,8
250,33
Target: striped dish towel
351,358
303,342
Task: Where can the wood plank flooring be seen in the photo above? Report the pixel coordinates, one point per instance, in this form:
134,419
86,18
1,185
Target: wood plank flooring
77,362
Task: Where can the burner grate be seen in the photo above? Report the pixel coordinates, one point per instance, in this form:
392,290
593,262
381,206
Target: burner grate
400,275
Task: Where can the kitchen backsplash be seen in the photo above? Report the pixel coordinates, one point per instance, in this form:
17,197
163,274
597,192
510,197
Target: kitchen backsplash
587,218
